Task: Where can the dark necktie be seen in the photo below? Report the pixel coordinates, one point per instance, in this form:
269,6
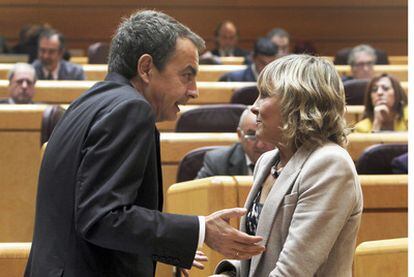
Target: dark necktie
251,166
49,76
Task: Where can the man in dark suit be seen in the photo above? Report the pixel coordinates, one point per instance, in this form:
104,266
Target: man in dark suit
240,158
227,36
22,80
50,64
100,189
264,52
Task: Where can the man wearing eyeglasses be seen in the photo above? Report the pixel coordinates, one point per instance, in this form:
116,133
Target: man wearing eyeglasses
362,59
239,158
50,64
22,79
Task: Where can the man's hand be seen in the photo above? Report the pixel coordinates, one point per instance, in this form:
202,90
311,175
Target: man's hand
228,241
199,257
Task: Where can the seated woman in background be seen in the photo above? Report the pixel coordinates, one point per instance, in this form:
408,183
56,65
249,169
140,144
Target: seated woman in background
385,106
306,199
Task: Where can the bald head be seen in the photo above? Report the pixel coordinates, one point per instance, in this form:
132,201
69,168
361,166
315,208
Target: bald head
226,35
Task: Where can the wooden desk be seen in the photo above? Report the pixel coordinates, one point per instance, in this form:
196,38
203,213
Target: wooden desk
64,92
385,212
214,72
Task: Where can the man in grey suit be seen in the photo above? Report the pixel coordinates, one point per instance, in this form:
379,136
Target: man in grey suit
239,158
49,64
22,80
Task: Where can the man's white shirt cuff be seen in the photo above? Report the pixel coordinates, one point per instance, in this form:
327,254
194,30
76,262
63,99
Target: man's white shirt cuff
202,231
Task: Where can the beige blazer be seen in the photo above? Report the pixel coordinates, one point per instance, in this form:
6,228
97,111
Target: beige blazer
311,216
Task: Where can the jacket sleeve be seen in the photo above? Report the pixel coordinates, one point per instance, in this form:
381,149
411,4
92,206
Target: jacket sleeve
327,197
209,166
110,178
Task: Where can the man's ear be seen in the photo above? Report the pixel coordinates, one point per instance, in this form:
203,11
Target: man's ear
144,67
239,133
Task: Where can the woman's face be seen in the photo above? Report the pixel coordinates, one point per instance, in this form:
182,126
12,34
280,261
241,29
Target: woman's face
382,93
268,119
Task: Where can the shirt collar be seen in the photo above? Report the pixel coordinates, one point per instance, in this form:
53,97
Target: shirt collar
55,73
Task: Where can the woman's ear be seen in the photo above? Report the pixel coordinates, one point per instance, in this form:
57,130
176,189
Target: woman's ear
144,67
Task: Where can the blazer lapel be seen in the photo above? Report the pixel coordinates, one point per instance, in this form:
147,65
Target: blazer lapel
279,190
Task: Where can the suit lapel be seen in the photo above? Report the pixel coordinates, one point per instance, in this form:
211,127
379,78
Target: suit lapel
276,195
237,161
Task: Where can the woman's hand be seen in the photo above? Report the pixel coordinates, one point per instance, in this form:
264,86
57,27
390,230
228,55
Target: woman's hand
381,113
198,259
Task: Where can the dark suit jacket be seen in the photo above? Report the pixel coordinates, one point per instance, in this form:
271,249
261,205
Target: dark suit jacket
100,192
238,52
67,71
224,161
245,75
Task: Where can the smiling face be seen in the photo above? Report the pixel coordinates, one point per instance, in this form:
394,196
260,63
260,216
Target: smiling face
382,93
268,119
175,84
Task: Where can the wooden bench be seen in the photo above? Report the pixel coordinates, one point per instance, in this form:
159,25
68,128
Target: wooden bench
382,258
220,192
214,72
225,60
175,145
64,92
13,258
20,129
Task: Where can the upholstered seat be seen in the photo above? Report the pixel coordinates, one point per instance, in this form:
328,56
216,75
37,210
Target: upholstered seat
355,91
210,118
376,159
245,95
192,163
50,118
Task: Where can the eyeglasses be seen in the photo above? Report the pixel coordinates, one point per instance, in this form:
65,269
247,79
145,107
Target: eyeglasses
21,81
249,135
363,64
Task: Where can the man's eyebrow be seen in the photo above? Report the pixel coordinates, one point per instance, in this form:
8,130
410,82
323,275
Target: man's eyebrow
192,69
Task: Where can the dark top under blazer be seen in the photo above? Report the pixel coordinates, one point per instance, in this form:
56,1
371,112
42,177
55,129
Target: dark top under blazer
245,75
224,161
100,192
67,71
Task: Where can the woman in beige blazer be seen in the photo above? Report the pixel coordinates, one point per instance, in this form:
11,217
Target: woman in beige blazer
306,199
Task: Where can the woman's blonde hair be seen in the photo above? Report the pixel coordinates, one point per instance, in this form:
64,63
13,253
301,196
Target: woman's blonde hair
311,97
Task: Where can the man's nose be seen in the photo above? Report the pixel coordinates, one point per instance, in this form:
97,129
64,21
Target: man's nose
192,91
24,84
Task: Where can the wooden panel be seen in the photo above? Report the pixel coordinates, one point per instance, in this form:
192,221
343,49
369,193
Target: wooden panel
13,259
85,22
20,161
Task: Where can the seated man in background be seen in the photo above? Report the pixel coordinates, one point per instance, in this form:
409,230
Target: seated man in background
226,38
264,52
281,39
362,59
22,80
50,64
239,158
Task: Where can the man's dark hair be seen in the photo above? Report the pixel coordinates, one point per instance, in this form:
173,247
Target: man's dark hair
147,32
264,46
48,33
278,32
